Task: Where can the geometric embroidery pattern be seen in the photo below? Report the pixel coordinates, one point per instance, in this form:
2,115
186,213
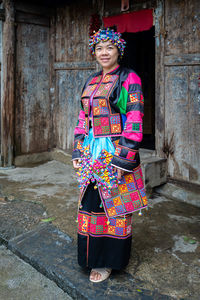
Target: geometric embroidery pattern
99,89
131,155
101,125
104,90
96,224
89,90
117,151
129,195
115,119
136,126
133,97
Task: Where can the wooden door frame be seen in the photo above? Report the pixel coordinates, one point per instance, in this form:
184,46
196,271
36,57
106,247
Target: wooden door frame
159,79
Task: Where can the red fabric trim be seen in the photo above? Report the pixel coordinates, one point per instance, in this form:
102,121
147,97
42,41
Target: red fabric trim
131,22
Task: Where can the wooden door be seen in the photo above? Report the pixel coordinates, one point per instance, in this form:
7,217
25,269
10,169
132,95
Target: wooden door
177,88
72,66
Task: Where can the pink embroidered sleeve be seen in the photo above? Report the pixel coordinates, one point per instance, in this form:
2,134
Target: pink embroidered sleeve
127,151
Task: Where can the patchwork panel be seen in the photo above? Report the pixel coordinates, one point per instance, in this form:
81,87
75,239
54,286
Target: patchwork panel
117,151
97,225
134,97
96,111
103,90
100,107
131,155
102,102
110,78
115,119
131,195
116,128
89,90
95,80
86,105
104,110
101,126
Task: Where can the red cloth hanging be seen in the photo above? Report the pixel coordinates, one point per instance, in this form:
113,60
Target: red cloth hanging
131,22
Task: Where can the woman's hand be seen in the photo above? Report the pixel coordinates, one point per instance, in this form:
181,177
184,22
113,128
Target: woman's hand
76,164
120,172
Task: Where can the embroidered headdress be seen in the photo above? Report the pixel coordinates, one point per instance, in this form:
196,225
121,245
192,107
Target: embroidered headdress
105,35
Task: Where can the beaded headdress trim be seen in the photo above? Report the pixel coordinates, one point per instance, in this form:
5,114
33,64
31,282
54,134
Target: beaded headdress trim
105,35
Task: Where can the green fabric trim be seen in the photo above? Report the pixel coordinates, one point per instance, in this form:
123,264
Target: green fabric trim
122,101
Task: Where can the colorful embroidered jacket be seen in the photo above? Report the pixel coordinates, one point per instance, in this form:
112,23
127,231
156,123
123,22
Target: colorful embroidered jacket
114,104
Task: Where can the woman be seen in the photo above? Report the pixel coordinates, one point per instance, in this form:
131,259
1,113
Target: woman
106,145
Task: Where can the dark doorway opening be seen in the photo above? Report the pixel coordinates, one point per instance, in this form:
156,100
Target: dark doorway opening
140,56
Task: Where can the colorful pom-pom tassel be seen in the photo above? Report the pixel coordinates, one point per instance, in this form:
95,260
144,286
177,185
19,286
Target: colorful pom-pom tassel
140,213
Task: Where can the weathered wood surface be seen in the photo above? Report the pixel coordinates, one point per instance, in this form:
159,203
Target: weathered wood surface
79,65
176,121
193,162
182,99
8,88
72,32
159,80
182,23
182,59
182,130
69,84
73,64
32,117
30,18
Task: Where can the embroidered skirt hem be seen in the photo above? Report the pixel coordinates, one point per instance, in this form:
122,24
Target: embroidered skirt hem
102,243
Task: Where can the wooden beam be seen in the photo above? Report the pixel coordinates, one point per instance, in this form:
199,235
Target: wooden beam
8,85
29,18
75,65
190,59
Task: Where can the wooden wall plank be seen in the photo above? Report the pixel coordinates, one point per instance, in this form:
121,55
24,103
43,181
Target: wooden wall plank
176,20
193,26
77,65
72,32
176,121
32,89
69,84
182,26
159,80
193,162
182,59
30,18
8,86
73,64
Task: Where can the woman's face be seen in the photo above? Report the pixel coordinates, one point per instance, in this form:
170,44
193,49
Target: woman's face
107,55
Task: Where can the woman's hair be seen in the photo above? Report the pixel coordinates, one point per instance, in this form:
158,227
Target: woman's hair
104,35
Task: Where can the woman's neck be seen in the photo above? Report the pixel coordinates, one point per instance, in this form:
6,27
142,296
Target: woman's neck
108,70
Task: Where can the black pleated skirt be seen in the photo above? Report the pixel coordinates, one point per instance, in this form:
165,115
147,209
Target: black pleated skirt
102,242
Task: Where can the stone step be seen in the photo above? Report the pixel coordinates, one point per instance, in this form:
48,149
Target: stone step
154,169
53,253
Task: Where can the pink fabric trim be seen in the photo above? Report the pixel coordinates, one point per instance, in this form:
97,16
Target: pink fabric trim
134,136
81,114
80,128
133,116
131,79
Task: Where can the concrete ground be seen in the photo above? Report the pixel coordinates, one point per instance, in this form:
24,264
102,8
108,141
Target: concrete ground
18,280
165,252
